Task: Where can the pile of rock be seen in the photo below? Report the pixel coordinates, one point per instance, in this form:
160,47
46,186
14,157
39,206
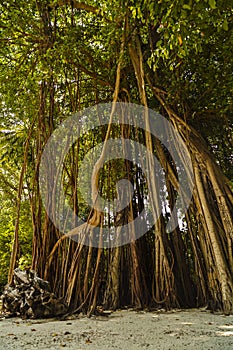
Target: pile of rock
30,297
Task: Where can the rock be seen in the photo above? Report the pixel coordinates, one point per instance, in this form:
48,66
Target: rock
30,297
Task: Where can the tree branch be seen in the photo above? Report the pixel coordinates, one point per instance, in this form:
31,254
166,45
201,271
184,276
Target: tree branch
77,5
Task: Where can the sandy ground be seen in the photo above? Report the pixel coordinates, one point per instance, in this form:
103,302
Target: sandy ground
123,329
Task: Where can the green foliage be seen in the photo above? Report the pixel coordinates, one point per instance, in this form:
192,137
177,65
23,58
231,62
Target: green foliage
6,236
7,223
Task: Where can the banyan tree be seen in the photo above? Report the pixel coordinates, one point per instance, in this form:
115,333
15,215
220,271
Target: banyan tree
172,58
